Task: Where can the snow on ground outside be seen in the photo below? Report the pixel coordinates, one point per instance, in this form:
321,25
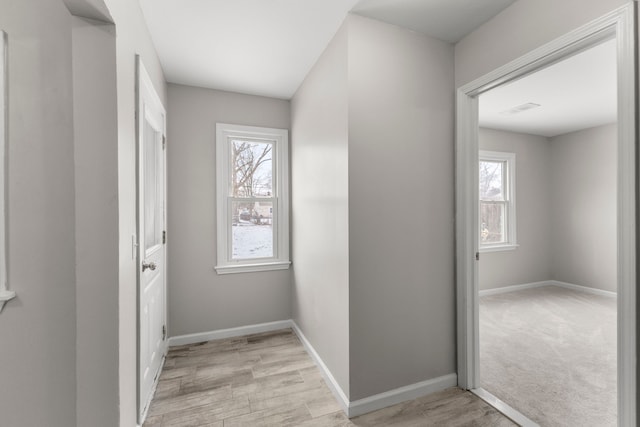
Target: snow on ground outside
252,241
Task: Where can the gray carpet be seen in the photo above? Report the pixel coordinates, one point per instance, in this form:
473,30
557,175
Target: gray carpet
550,353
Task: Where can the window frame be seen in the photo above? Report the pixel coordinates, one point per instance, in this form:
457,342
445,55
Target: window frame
225,133
510,204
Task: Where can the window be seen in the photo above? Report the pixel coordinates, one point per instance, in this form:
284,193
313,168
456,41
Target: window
252,200
497,210
5,294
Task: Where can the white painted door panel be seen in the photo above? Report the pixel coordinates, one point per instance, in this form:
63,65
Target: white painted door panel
151,248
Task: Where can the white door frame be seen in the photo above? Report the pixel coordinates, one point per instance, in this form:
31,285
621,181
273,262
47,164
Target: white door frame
144,84
619,24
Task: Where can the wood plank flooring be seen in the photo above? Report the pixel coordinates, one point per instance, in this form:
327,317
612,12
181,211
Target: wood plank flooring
269,380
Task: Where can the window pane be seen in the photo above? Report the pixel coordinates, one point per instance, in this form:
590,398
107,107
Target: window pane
252,230
492,222
152,197
251,168
491,180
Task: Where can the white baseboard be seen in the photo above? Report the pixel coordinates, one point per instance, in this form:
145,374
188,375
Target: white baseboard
378,401
352,409
514,288
402,394
229,333
581,288
333,385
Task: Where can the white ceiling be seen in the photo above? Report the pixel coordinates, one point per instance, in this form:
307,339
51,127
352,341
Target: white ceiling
267,47
576,93
448,20
93,9
260,47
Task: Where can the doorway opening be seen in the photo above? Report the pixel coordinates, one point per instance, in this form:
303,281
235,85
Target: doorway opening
475,236
547,288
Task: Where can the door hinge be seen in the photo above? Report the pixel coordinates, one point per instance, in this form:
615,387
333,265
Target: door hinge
164,332
477,256
164,237
164,141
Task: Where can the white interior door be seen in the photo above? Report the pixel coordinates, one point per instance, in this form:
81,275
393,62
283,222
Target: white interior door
151,239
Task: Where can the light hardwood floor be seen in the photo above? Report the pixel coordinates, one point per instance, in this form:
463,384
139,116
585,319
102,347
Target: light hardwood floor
269,380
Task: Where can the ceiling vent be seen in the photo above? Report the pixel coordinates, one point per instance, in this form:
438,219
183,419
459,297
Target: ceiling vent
519,109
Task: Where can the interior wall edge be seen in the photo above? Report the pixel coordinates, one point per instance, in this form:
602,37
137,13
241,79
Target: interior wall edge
96,187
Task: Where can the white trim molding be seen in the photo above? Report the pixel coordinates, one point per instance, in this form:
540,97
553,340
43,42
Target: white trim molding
499,248
402,394
585,289
329,379
509,160
229,333
619,24
278,197
5,294
253,268
377,401
515,288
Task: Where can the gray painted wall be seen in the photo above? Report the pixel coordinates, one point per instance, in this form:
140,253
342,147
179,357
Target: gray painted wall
132,38
565,208
401,207
530,261
372,161
521,28
199,299
96,187
38,328
320,204
583,243
65,321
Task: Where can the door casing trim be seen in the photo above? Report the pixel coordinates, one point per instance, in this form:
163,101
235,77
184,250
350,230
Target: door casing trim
620,24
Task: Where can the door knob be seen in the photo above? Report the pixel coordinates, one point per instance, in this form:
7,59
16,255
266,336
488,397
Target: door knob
150,265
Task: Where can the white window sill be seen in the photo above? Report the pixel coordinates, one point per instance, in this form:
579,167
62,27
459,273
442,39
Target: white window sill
499,248
252,268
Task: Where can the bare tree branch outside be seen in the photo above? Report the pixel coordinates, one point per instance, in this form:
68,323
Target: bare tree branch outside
251,179
492,202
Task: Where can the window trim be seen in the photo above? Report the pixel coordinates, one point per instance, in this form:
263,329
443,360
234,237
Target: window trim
5,294
280,198
510,206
